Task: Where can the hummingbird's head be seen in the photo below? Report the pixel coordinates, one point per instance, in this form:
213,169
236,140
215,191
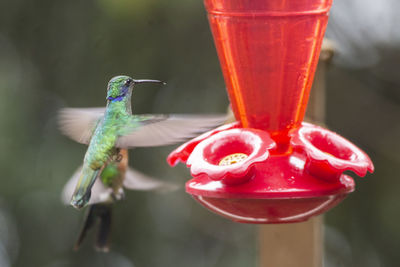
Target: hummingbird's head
121,86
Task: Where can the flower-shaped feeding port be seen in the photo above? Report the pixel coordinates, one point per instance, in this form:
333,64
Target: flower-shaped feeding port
183,152
230,155
329,154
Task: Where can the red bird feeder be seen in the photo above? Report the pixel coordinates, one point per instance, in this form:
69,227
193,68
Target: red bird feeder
269,167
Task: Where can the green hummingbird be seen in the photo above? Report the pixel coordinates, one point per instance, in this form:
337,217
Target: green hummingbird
107,190
109,130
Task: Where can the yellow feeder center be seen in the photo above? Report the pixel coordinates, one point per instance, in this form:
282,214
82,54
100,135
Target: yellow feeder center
232,159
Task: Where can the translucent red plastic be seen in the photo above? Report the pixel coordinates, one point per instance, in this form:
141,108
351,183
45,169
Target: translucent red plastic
290,171
268,51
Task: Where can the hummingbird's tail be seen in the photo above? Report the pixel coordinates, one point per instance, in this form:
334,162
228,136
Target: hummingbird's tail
101,212
83,188
103,233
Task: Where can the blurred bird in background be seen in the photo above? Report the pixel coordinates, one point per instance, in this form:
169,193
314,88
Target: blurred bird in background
108,189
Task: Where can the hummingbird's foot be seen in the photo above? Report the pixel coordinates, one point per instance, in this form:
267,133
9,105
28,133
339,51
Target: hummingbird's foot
118,195
119,158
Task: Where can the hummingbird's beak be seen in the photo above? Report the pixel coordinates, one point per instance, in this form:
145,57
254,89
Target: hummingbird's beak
148,81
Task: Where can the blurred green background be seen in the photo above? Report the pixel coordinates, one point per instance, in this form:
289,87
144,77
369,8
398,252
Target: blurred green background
62,53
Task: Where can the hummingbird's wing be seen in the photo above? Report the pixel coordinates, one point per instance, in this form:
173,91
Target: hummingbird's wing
136,180
159,130
100,193
79,123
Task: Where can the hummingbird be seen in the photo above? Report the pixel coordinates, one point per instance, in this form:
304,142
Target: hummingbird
110,129
107,190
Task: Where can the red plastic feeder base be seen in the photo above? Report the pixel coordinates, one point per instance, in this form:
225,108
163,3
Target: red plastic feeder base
263,186
279,192
264,211
278,206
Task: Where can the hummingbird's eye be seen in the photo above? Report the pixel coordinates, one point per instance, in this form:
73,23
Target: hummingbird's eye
128,82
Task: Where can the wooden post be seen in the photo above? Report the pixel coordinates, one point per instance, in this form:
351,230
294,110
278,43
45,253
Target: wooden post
292,245
316,103
299,244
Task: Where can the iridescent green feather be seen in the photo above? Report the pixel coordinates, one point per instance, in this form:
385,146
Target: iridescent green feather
108,175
